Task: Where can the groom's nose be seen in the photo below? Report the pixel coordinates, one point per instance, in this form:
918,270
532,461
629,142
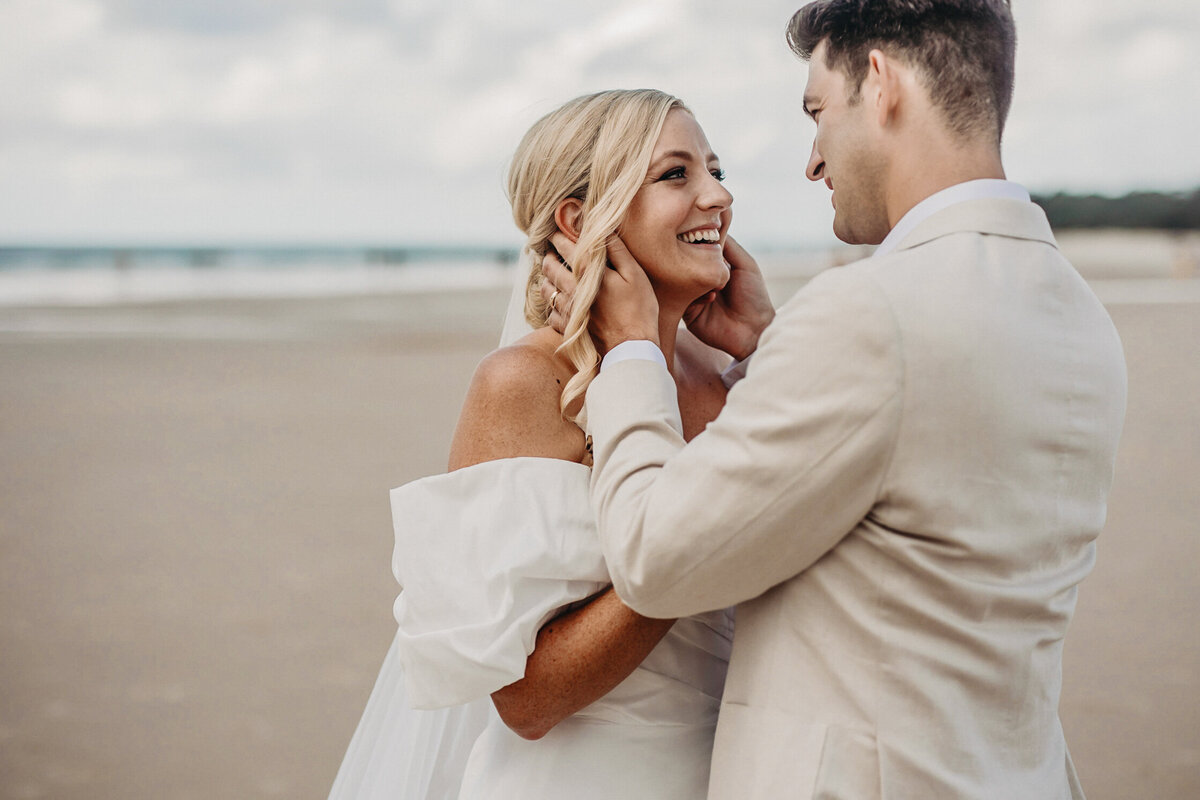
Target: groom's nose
816,164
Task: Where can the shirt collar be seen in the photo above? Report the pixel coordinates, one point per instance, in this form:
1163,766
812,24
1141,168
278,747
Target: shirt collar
961,192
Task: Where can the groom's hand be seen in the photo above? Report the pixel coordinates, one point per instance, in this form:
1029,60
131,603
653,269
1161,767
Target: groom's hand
625,307
733,318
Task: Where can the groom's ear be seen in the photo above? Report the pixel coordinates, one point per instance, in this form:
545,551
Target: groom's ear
569,217
884,84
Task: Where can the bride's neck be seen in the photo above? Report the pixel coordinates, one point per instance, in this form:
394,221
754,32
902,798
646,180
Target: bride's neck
668,331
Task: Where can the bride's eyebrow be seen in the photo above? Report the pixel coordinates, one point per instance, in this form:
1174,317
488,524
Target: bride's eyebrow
685,155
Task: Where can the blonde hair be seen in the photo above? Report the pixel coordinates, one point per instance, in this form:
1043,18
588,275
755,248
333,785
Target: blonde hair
597,149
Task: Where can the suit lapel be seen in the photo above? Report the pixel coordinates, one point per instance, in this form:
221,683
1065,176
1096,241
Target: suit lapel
993,216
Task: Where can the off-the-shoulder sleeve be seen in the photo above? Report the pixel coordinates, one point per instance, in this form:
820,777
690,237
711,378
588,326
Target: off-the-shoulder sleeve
485,556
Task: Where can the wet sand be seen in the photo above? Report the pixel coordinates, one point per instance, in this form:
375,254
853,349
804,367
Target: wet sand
195,542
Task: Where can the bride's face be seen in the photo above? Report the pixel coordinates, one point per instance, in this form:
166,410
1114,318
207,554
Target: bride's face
677,223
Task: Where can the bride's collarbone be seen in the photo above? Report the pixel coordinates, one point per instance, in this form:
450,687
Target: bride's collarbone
697,409
701,394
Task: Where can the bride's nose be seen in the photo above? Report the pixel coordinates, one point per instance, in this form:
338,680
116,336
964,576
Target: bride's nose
715,195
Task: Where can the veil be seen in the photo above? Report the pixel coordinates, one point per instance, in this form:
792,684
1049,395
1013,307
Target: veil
401,753
515,325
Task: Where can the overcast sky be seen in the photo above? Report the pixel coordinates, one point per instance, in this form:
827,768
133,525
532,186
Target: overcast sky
391,121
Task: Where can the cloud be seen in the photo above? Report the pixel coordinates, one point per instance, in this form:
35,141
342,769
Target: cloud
223,17
1105,97
393,120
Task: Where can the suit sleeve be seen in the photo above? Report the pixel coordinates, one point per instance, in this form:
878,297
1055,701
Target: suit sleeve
794,461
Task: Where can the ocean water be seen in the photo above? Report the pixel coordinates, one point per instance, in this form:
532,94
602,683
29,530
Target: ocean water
96,276
1123,267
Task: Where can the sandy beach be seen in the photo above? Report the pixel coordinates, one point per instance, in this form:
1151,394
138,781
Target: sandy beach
195,540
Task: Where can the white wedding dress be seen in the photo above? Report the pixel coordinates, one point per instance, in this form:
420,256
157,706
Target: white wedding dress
485,556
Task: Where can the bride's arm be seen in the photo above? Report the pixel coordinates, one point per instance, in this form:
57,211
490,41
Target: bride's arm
511,410
578,658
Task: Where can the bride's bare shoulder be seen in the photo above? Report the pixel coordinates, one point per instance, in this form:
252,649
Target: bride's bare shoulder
529,371
512,406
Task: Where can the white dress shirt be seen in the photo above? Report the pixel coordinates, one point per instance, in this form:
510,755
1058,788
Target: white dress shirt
958,193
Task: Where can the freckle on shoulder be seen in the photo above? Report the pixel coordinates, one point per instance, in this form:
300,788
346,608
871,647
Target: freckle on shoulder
528,370
513,370
512,407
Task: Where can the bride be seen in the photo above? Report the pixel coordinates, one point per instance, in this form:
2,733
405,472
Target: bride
535,679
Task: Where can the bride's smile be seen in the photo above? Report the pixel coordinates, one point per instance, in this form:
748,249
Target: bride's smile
677,223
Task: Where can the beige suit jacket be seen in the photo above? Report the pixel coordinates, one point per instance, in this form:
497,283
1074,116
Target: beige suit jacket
901,497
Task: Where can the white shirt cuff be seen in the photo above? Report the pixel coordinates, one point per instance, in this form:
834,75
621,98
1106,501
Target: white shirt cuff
637,349
735,371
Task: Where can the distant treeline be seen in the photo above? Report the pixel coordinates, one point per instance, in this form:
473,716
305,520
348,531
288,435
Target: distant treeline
1177,211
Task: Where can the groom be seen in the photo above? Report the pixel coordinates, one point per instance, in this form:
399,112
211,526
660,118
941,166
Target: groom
903,492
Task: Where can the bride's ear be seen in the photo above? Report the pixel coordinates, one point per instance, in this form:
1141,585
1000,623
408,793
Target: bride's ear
569,217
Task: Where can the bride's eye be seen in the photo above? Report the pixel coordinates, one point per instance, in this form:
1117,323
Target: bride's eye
719,174
672,174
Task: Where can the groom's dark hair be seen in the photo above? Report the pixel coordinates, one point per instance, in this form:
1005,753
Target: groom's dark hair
964,50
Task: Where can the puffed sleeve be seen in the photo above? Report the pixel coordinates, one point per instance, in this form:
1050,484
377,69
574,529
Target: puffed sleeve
485,556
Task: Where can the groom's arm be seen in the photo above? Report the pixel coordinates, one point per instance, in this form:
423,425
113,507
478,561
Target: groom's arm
792,464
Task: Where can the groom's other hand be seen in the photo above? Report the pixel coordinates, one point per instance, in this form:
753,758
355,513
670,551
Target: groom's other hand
733,318
625,307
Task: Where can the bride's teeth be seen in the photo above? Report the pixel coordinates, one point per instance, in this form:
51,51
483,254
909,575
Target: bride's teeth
697,236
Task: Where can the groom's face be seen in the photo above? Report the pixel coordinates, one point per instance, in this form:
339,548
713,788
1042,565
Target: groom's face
846,154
